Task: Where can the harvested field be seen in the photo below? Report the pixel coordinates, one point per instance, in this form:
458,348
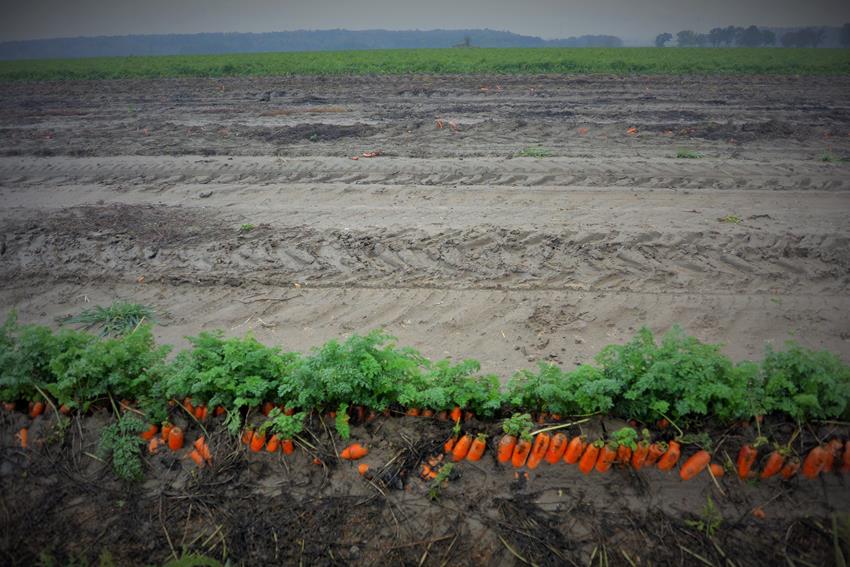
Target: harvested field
446,240
234,203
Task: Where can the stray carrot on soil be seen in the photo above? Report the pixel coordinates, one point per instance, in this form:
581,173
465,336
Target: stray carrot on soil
607,455
814,462
694,464
476,450
353,452
461,448
588,459
538,450
791,467
575,449
772,465
640,454
557,446
150,433
273,445
521,451
656,451
22,437
258,441
717,470
175,439
507,444
746,457
670,457
36,409
196,456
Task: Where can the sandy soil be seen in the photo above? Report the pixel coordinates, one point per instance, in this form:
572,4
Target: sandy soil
138,189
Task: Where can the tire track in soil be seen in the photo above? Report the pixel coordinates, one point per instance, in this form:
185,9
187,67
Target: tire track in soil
506,259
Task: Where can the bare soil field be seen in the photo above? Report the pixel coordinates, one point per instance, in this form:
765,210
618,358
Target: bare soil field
447,240
450,241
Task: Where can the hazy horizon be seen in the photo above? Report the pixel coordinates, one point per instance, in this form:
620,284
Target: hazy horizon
549,19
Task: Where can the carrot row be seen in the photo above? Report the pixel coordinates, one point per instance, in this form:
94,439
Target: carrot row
257,441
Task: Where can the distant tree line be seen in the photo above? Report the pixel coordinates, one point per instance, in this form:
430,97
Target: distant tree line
305,40
753,36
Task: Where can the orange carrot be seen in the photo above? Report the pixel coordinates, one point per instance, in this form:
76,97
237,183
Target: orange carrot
456,414
590,456
663,423
449,445
196,456
187,403
22,437
166,429
287,446
538,450
833,454
267,408
639,455
461,448
656,451
791,467
219,411
557,446
507,444
670,457
36,409
413,412
845,458
772,465
607,454
353,452
442,415
199,442
624,455
542,417
153,445
746,457
247,436
362,469
289,411
426,413
694,464
175,439
521,451
476,450
258,442
717,470
150,433
273,445
575,449
814,462
65,409
198,412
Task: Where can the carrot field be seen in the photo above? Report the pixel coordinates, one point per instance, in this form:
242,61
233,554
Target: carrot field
675,61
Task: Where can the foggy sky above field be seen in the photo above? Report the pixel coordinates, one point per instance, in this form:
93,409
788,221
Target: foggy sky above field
34,19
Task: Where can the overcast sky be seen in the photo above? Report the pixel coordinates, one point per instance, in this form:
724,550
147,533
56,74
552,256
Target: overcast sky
29,19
